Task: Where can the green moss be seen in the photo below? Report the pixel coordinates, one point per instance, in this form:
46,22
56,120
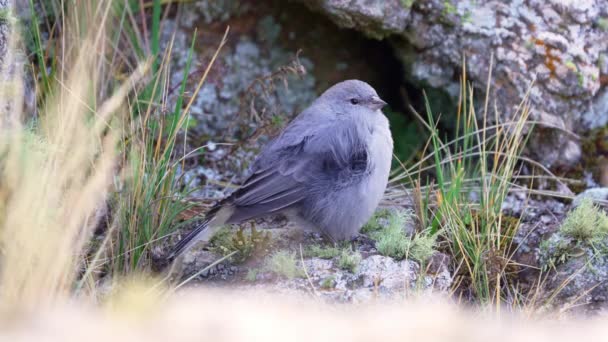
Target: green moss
467,18
422,246
587,223
581,78
284,264
448,8
570,65
407,3
252,275
603,23
329,282
349,260
5,15
391,240
316,251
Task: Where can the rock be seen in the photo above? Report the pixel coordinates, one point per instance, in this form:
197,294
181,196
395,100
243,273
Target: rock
377,277
562,47
222,101
580,284
11,66
195,260
596,194
385,274
377,19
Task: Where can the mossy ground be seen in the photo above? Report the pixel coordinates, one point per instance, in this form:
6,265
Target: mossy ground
583,232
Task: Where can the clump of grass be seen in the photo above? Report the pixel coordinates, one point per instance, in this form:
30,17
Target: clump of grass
285,264
56,174
587,223
317,251
349,260
482,158
391,240
152,202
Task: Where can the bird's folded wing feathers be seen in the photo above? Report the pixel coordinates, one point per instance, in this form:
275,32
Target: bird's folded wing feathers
282,175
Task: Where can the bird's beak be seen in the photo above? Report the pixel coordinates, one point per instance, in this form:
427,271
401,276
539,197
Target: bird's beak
377,103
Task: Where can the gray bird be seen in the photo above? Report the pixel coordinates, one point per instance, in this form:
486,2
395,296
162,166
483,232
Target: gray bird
326,171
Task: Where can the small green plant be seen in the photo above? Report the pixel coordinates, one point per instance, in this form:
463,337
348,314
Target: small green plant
422,246
391,239
467,18
254,243
554,252
603,23
587,223
407,3
349,260
252,275
328,282
448,8
285,264
316,251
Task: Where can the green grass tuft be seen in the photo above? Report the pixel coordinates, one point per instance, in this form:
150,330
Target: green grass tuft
349,260
316,251
391,240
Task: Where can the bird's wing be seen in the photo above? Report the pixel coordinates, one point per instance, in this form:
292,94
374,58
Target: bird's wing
292,166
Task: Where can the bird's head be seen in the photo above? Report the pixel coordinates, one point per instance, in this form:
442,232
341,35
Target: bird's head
353,94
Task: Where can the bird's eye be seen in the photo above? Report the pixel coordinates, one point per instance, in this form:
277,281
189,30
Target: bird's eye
354,101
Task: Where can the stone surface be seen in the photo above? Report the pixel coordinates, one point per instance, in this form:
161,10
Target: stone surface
579,280
560,45
376,277
10,68
596,194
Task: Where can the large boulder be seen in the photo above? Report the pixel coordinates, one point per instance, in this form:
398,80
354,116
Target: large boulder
561,47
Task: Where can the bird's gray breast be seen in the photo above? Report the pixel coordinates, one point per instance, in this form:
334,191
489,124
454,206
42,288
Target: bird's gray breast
340,212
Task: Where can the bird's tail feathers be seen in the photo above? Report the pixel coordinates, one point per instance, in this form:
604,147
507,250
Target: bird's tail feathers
215,219
187,241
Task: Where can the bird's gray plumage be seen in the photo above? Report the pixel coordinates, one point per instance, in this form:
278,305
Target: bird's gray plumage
327,170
